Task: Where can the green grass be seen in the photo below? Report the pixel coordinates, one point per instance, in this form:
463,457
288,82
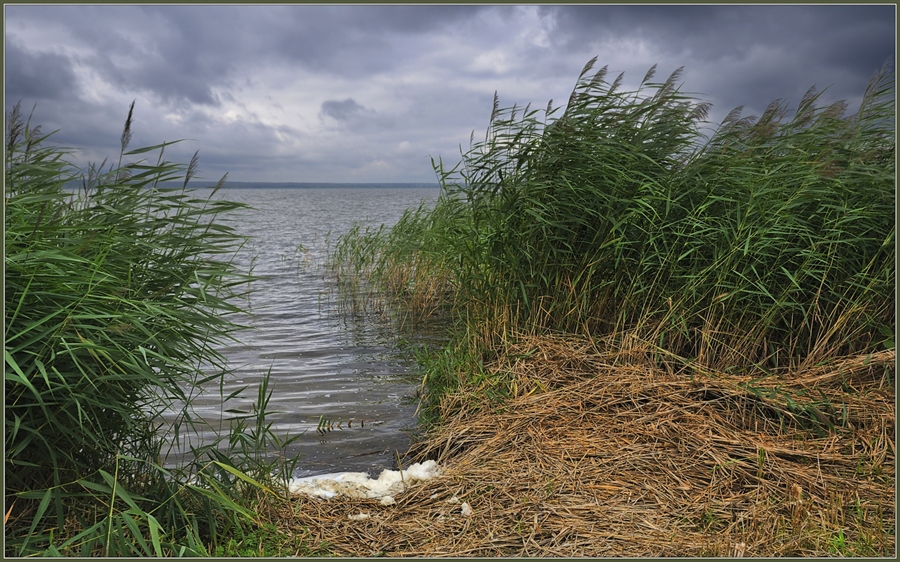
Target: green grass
755,246
268,540
117,295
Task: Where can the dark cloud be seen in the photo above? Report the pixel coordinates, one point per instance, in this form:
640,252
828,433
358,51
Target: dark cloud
755,44
293,89
711,32
409,19
307,37
177,57
36,75
343,110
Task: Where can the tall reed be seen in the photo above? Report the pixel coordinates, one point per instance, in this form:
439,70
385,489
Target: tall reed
117,295
764,244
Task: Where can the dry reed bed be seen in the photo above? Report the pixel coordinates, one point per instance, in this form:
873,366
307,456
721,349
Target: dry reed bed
608,455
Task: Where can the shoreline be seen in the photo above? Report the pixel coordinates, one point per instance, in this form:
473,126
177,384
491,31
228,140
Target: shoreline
605,454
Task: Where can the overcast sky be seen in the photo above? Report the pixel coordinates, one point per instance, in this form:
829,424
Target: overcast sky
361,93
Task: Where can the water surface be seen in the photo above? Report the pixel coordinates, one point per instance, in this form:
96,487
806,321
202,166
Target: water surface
321,363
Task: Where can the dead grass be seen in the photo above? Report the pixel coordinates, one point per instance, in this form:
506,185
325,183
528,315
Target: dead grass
607,454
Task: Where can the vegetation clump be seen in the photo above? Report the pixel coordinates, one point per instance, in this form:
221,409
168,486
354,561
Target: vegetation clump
764,246
703,323
664,341
117,294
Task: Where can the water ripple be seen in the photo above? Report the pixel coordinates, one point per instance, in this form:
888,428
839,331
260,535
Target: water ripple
318,367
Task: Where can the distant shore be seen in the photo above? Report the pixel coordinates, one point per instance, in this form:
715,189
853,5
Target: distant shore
317,185
287,185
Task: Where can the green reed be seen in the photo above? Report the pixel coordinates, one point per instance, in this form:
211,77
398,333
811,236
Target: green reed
117,295
397,272
759,244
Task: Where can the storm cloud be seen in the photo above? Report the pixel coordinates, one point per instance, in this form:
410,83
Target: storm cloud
370,93
341,110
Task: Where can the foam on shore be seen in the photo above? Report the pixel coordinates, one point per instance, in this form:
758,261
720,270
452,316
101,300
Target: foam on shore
358,484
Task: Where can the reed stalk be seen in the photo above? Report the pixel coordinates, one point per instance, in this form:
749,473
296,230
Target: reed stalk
754,246
117,296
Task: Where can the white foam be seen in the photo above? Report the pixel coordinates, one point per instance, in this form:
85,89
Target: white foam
359,485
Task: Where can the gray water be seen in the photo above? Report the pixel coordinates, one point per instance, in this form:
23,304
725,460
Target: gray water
321,363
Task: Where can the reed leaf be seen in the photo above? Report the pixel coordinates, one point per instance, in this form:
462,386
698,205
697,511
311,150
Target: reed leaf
765,244
117,296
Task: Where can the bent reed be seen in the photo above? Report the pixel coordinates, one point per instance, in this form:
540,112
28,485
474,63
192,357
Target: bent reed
763,247
662,342
756,260
116,295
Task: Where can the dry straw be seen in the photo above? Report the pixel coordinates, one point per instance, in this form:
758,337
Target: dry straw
608,454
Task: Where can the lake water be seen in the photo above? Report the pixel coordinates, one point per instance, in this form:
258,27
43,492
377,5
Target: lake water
321,363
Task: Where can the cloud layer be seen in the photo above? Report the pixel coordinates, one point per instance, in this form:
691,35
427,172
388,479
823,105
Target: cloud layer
368,93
